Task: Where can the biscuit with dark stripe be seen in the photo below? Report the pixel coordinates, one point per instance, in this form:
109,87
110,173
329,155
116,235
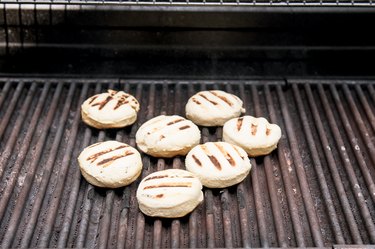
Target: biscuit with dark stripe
218,164
110,164
113,109
169,193
255,135
213,108
167,136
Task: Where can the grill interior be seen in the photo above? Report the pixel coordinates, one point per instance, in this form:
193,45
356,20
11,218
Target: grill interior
316,190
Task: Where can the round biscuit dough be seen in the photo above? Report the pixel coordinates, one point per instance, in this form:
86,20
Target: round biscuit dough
113,109
218,164
255,135
167,136
213,108
170,193
110,164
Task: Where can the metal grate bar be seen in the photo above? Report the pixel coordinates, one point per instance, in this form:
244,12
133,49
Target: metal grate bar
256,185
368,109
348,167
363,130
319,168
276,207
41,178
4,92
19,206
312,218
16,130
342,195
372,93
285,165
244,226
10,108
26,141
72,199
55,198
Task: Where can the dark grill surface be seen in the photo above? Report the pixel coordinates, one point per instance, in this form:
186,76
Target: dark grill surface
316,190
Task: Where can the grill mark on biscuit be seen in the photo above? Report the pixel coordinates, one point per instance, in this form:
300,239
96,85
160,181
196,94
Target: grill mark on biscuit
161,127
197,161
205,97
196,101
175,121
253,129
92,99
223,98
214,161
268,131
103,103
212,158
108,161
184,127
227,156
239,123
96,155
235,148
165,176
112,92
121,101
170,185
155,177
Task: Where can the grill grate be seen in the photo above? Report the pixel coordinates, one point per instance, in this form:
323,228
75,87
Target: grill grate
316,190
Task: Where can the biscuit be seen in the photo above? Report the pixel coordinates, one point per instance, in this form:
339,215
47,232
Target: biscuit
167,136
255,135
213,108
218,164
112,109
170,193
110,164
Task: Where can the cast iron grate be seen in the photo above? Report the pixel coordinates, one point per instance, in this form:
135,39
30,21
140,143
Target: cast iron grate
316,190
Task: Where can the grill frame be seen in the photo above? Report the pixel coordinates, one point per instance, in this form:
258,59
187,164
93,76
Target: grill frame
92,207
72,39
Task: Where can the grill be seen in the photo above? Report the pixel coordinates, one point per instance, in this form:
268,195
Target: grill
302,64
316,190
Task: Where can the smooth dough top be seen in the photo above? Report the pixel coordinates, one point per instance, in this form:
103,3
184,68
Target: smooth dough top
111,107
213,108
167,133
218,164
250,132
169,188
110,164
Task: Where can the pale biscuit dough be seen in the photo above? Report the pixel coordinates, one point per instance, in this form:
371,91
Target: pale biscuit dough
255,135
218,164
169,193
167,136
110,164
213,108
113,109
